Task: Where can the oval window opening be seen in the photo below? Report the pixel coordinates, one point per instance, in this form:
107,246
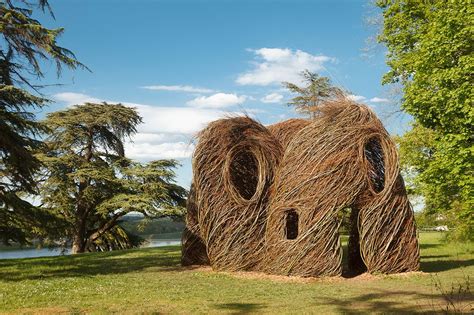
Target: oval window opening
292,219
374,155
244,173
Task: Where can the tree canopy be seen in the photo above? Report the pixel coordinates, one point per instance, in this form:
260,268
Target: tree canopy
91,184
430,52
309,97
24,42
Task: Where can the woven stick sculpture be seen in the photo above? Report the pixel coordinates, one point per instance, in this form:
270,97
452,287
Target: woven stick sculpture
344,159
193,250
233,167
261,207
286,130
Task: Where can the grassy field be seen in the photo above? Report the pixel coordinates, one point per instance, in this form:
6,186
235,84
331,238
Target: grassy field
152,281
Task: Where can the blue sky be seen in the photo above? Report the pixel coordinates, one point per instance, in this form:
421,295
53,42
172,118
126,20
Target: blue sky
185,63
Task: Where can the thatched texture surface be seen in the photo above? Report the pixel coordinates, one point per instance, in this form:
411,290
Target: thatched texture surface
193,250
233,167
285,131
344,159
271,199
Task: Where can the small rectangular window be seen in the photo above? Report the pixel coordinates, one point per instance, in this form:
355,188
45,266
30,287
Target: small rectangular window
291,225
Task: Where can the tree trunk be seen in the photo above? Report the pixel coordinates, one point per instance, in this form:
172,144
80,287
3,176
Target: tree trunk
78,239
104,228
78,245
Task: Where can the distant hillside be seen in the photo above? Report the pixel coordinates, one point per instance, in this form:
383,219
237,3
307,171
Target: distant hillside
141,227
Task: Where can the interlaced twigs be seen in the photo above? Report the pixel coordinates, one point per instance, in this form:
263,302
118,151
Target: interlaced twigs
233,168
285,131
271,199
193,249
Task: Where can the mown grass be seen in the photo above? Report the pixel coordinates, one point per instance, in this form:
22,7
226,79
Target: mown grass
152,281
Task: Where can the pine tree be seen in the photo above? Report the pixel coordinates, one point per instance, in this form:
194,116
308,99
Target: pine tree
91,184
25,42
317,90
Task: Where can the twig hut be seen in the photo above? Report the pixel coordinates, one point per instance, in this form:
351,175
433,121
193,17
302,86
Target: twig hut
271,199
193,250
233,167
286,130
344,159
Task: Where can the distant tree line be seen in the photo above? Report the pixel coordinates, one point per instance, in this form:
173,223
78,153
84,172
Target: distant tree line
151,228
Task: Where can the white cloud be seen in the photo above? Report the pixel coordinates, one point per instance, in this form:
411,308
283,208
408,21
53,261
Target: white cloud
275,65
178,88
166,132
181,120
167,150
356,98
218,100
251,111
75,98
379,100
154,138
272,98
360,98
158,119
149,137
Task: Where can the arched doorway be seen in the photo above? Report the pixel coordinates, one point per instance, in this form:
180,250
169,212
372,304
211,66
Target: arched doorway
352,263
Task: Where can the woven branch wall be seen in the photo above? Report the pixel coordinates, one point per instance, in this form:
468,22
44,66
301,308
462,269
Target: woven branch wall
233,167
286,130
193,250
270,199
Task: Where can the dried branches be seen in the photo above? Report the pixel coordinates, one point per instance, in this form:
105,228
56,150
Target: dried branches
344,159
286,130
261,207
193,250
233,168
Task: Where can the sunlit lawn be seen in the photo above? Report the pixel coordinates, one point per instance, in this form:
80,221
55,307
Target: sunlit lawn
152,281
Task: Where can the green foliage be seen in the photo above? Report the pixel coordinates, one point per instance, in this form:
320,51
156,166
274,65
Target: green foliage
18,129
317,90
29,42
19,220
430,52
91,184
429,221
24,43
146,227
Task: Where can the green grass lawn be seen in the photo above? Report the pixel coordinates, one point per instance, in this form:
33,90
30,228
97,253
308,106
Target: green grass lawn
152,281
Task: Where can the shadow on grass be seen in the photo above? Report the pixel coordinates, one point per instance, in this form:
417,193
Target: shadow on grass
430,245
90,264
387,301
441,262
428,263
241,308
434,256
444,265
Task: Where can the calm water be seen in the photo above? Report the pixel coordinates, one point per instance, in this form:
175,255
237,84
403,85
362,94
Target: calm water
45,252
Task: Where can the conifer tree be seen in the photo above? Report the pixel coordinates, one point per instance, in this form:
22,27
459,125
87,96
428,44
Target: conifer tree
91,184
317,90
24,43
